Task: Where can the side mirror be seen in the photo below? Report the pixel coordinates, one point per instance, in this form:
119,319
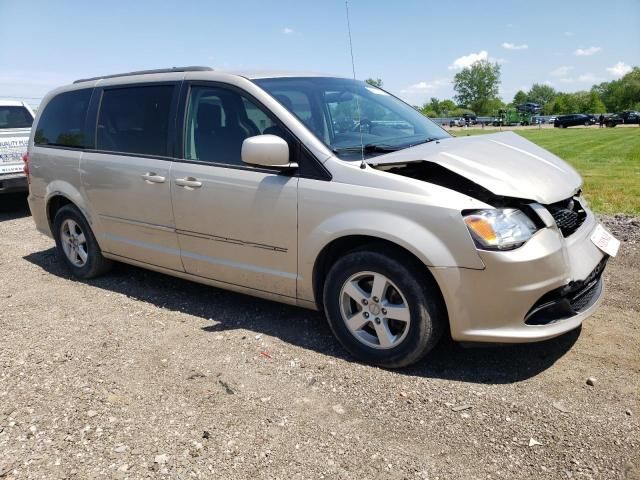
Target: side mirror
266,151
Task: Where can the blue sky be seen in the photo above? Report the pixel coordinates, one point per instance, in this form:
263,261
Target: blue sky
414,46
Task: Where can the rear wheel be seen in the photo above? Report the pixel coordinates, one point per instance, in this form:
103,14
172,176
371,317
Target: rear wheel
383,309
76,245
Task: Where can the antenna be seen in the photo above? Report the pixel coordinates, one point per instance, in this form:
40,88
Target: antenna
363,164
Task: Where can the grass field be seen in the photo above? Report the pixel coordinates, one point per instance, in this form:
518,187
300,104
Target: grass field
608,159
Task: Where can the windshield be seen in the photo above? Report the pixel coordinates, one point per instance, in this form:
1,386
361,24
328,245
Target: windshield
15,117
348,114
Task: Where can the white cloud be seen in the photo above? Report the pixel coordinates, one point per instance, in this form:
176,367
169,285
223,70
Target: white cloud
424,86
588,77
468,60
619,69
566,80
513,46
561,71
288,31
586,52
568,34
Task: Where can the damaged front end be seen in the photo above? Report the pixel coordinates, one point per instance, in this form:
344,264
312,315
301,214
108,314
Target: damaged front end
566,214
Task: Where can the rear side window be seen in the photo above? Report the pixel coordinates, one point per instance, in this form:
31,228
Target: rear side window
135,120
15,117
62,123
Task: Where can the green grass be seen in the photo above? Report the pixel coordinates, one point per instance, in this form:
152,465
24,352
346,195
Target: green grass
608,159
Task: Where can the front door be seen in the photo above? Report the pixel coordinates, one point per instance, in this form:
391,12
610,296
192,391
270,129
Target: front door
235,224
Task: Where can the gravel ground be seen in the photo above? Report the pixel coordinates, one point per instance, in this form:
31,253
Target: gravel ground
140,375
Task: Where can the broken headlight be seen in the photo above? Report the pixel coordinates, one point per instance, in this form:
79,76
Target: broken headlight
500,228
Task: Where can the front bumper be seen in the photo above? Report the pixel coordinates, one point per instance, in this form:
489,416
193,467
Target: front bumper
491,305
13,183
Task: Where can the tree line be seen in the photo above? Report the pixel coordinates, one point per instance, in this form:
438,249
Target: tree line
477,88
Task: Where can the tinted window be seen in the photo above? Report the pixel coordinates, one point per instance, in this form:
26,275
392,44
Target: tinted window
15,117
219,120
62,122
135,120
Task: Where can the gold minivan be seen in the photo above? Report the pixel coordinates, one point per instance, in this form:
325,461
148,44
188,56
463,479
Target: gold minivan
322,192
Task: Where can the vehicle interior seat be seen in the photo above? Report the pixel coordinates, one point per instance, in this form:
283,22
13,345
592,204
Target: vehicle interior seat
215,142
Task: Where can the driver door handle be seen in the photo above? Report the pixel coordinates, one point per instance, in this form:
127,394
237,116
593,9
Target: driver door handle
188,182
153,177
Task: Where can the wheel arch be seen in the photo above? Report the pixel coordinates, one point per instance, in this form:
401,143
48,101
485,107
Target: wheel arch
341,246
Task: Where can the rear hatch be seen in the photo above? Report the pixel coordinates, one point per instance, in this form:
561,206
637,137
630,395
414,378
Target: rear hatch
15,128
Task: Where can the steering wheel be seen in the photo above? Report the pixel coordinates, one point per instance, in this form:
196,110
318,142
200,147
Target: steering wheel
364,122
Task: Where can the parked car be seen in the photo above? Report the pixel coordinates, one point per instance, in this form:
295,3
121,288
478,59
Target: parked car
15,124
574,120
551,120
238,182
613,120
630,117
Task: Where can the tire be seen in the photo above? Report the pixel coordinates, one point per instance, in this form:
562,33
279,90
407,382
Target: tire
409,292
76,246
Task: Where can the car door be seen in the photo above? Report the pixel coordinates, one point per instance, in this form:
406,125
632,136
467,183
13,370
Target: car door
126,178
235,223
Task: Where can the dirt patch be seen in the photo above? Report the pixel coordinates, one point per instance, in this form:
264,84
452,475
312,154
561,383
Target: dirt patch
140,375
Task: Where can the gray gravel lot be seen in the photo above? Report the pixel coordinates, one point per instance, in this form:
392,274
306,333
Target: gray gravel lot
140,375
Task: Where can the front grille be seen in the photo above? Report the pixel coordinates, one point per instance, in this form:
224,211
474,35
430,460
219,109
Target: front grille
567,301
568,214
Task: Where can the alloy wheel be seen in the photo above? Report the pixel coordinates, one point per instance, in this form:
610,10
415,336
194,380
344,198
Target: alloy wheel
374,310
74,243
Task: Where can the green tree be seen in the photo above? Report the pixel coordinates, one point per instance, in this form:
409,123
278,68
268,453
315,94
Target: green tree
376,82
622,94
520,97
438,108
541,94
477,86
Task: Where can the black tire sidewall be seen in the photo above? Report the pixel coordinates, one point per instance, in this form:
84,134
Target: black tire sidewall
95,261
426,323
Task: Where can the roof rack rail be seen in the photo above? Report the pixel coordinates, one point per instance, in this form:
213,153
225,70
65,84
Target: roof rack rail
146,72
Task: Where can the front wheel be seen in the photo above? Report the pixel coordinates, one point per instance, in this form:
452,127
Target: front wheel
383,309
76,245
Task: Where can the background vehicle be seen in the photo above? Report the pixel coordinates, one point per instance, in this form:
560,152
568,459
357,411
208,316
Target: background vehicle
15,125
574,120
613,120
529,107
630,117
509,117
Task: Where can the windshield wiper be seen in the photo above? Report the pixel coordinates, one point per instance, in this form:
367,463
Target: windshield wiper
426,140
381,148
368,148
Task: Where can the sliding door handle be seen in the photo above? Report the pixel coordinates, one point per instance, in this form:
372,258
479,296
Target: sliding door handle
152,177
188,182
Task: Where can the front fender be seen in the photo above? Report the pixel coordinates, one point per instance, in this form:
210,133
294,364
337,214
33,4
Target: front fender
430,248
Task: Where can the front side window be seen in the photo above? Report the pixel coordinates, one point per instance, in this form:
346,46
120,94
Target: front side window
15,117
135,120
62,123
348,114
219,120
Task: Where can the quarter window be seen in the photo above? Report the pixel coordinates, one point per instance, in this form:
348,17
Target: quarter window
135,120
219,120
62,122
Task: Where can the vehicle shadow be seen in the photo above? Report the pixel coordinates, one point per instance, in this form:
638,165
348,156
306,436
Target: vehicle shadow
308,329
13,206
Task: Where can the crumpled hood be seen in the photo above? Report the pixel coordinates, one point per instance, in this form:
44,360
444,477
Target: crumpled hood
504,163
